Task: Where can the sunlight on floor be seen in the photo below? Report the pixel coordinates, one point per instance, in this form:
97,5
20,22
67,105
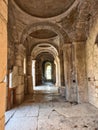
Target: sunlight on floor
46,89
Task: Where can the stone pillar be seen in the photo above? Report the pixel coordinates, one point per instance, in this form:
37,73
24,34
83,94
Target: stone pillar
58,75
67,50
95,88
62,68
54,73
92,72
38,72
33,72
18,74
56,84
29,75
3,60
92,63
80,68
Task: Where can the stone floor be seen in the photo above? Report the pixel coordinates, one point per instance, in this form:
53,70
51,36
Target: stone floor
46,110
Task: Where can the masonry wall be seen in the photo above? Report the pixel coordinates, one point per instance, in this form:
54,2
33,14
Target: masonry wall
3,59
92,73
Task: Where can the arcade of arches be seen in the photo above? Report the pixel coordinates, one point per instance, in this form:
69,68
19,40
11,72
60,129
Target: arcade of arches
51,42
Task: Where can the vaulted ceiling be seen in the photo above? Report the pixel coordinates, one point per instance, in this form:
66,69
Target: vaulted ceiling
44,8
43,34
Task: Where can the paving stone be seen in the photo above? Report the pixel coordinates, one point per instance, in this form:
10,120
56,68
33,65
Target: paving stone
27,110
23,123
9,114
49,111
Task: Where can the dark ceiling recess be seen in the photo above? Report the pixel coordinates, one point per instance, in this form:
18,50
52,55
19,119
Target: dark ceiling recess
44,8
43,34
45,56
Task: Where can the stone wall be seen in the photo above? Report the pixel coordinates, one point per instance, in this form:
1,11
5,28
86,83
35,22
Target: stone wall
92,64
92,73
3,59
96,73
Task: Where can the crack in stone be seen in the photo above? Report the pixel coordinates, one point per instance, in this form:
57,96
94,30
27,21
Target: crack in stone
56,112
10,117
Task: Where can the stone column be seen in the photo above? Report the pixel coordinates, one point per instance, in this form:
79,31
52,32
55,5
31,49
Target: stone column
92,63
38,72
3,60
56,84
33,72
95,88
62,68
29,75
67,50
92,72
54,73
58,75
18,74
80,68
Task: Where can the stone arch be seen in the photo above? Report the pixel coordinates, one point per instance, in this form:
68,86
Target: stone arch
45,41
44,47
38,49
45,25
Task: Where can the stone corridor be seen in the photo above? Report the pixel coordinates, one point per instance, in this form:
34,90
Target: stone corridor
47,110
45,41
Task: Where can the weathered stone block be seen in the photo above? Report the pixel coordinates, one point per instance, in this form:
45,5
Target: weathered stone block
20,80
3,9
29,69
20,89
2,123
20,71
2,99
67,69
3,44
19,98
15,77
19,63
19,57
80,67
30,84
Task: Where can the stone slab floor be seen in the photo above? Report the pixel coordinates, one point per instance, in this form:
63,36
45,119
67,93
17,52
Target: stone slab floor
46,110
